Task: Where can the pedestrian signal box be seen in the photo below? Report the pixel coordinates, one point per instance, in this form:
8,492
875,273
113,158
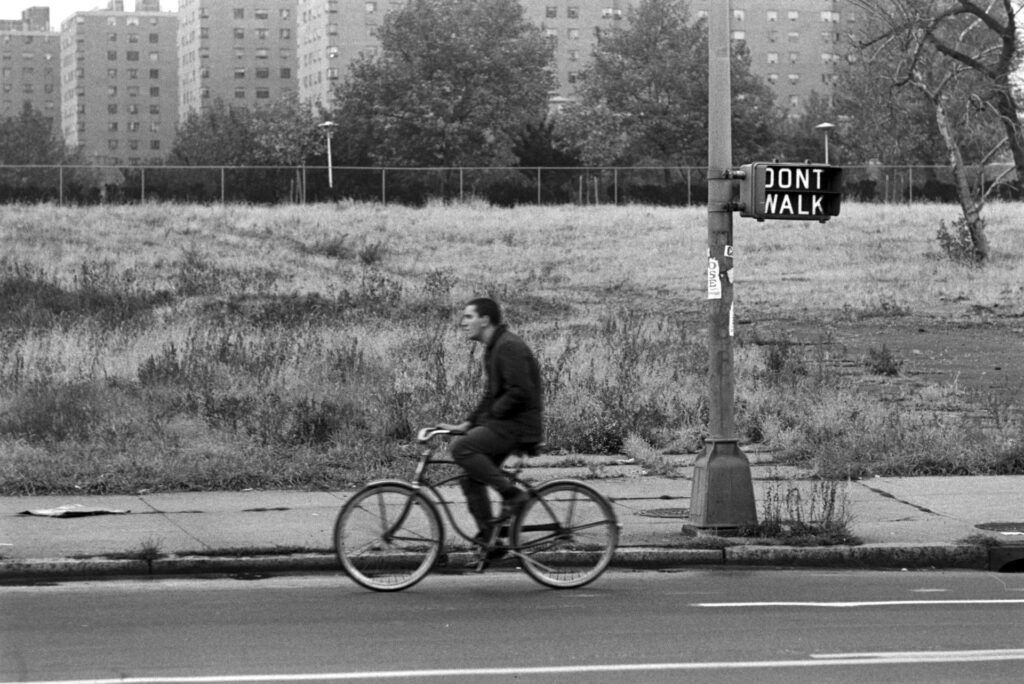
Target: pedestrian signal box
808,192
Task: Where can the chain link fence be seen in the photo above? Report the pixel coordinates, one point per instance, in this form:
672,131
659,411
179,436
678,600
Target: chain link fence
508,186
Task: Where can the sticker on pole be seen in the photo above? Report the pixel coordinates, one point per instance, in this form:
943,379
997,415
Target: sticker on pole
714,281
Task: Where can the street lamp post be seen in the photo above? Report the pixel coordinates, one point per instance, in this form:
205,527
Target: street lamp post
329,127
825,128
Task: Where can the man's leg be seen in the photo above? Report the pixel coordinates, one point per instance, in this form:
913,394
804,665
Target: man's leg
480,453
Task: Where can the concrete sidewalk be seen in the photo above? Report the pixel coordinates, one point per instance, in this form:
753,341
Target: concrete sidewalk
919,522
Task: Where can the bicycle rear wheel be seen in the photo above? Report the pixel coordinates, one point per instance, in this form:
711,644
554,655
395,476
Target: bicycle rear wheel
388,536
566,534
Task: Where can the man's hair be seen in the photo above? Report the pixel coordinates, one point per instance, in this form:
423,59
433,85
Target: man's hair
485,306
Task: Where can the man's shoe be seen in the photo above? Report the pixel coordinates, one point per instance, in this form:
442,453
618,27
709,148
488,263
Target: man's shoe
513,505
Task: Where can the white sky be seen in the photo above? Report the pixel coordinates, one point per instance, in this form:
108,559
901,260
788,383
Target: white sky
62,9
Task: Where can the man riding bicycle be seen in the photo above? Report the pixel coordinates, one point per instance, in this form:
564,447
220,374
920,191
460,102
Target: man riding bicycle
508,416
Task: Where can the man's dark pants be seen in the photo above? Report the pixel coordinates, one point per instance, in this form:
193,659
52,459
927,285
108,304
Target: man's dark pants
481,452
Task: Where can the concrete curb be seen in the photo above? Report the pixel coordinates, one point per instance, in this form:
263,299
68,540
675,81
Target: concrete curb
947,556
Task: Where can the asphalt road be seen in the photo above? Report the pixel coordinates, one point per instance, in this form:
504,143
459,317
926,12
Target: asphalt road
694,625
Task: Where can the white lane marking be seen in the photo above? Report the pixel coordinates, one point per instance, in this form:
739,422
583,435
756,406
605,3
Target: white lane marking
857,604
821,660
929,656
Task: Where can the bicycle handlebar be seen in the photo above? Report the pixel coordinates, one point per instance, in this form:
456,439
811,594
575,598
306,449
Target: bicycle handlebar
428,433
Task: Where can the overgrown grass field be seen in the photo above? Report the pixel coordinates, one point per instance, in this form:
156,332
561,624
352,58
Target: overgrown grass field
168,347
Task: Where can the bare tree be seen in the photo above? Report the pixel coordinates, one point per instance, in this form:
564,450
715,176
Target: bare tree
959,57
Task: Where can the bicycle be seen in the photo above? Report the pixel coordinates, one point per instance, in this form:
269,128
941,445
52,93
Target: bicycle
390,534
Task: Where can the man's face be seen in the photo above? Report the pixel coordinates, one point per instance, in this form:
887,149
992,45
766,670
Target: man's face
473,324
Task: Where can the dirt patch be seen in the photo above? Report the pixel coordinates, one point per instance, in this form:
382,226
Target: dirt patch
977,353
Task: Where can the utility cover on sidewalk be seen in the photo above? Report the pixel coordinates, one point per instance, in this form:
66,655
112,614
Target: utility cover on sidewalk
1004,527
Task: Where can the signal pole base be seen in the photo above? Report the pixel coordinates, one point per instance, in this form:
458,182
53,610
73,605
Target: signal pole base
722,498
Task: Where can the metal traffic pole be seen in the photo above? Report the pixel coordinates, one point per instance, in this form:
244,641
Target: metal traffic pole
722,496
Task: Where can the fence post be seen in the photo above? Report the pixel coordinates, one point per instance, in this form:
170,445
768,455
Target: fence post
222,185
142,192
460,184
538,187
689,182
615,185
383,186
60,183
910,185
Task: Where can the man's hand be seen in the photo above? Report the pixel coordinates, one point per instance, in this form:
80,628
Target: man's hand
461,428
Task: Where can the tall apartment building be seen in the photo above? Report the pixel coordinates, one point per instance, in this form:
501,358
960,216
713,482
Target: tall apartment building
332,34
29,65
794,44
119,91
241,51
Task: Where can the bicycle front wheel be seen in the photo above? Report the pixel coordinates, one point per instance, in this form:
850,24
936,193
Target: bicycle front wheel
566,534
388,536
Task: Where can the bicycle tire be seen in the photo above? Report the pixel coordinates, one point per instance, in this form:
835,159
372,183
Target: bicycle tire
566,534
388,536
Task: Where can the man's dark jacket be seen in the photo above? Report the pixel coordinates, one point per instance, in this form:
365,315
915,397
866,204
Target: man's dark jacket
512,404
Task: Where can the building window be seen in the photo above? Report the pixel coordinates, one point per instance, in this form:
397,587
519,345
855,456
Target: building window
239,34
738,15
793,15
573,34
794,57
572,12
133,37
112,144
261,33
263,93
112,91
239,93
739,35
285,13
154,38
773,78
262,72
111,73
794,78
239,73
112,37
133,126
132,55
371,7
239,13
773,57
551,12
154,91
574,55
772,15
154,144
133,109
112,108
154,74
112,126
154,109
133,91
285,34
262,53
286,72
793,36
112,55
261,14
